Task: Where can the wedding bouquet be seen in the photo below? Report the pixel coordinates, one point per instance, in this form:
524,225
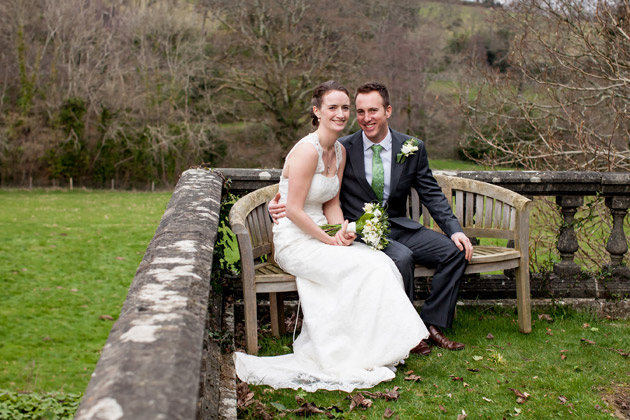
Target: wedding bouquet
373,226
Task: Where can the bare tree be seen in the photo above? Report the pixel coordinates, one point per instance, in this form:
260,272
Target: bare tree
273,53
565,103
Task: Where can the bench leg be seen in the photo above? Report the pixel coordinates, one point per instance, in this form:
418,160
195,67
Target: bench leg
251,321
523,299
276,311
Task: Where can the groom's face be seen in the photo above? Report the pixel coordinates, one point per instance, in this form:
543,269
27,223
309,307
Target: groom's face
372,115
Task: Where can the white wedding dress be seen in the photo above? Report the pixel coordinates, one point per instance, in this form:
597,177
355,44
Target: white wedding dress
358,322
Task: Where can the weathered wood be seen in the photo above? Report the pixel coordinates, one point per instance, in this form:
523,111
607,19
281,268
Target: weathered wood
510,211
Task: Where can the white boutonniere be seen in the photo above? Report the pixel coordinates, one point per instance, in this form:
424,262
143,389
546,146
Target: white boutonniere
408,148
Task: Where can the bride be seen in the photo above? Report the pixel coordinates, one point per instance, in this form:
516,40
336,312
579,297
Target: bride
358,322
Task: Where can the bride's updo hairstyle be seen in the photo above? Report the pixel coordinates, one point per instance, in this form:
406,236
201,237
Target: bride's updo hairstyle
318,95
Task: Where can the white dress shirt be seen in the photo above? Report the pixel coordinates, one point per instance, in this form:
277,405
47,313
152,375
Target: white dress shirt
386,157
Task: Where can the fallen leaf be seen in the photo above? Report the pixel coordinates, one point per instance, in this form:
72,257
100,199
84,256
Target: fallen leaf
120,258
465,384
243,394
477,358
299,399
106,317
586,325
261,410
594,329
486,399
563,356
74,290
439,355
562,399
620,351
414,378
490,336
462,416
360,401
521,397
457,378
278,406
387,395
307,409
473,370
387,413
545,317
409,372
442,409
268,391
586,341
549,332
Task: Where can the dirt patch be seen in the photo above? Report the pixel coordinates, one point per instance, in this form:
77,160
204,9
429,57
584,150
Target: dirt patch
618,400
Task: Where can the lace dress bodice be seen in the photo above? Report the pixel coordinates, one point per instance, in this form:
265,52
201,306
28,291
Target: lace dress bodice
322,188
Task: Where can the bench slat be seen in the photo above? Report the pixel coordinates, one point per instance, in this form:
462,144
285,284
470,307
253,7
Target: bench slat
479,211
487,223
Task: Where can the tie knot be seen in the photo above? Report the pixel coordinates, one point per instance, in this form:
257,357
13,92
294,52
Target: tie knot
376,148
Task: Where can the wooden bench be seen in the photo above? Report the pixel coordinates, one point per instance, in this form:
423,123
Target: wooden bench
484,211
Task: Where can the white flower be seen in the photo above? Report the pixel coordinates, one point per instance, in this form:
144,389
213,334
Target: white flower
368,208
409,148
352,227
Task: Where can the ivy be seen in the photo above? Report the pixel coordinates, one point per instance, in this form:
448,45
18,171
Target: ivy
222,264
36,406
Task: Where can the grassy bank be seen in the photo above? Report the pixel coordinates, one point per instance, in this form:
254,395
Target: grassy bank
66,262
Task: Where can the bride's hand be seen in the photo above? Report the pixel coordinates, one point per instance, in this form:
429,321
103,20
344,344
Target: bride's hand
345,238
276,211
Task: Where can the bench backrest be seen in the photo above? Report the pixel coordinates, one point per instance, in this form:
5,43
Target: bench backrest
251,213
483,210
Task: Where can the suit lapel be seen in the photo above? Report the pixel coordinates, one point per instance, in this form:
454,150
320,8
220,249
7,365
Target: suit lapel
356,158
397,168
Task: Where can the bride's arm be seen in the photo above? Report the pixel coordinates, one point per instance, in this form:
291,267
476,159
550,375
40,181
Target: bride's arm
302,165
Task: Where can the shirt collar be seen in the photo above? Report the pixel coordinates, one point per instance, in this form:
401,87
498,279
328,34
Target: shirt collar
386,143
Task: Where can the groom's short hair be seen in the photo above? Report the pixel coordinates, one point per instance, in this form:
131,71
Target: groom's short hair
374,87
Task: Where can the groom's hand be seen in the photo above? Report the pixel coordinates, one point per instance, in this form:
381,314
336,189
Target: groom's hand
345,238
276,211
463,243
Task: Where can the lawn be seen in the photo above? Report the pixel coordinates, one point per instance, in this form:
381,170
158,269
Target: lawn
572,366
67,259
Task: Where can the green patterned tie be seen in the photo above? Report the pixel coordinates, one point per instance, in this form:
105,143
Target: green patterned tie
378,173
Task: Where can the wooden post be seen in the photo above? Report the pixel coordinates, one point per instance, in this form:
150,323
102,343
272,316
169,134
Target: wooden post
112,184
71,186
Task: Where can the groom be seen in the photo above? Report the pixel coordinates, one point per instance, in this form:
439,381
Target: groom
373,173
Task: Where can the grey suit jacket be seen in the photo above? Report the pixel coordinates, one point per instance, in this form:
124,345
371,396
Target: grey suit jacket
413,173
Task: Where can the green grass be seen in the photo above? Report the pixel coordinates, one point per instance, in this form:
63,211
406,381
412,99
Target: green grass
457,165
66,260
565,377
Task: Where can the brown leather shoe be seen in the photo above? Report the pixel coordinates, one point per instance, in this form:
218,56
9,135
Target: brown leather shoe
422,349
436,336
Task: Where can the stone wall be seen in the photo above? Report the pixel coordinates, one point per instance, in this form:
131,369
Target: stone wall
151,365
